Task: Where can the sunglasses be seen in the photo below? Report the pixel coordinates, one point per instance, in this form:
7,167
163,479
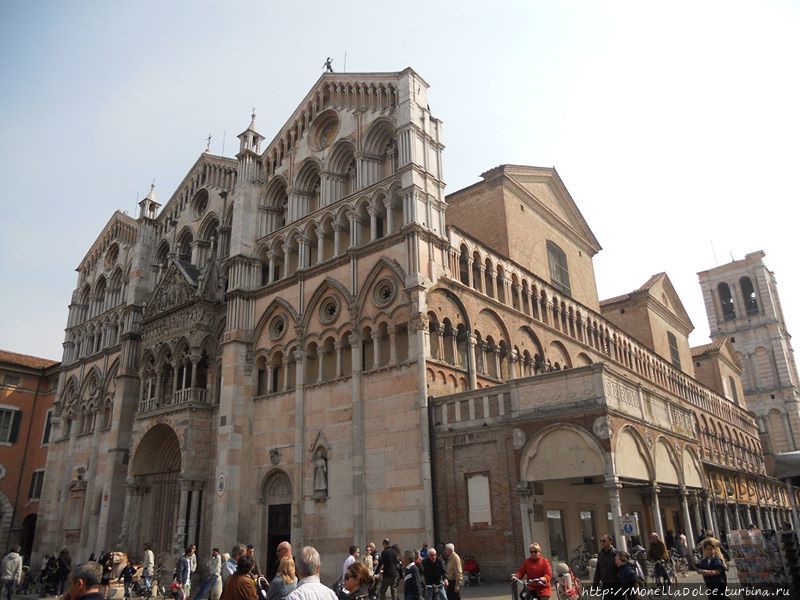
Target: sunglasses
536,551
348,576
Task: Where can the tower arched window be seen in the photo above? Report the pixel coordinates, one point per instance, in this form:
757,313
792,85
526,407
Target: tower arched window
749,296
726,302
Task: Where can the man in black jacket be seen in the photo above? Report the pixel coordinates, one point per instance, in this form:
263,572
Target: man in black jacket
434,575
387,567
412,580
605,575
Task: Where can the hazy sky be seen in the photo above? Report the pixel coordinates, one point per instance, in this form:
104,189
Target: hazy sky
675,126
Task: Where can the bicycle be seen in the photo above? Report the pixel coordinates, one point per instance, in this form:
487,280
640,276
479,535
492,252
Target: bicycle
579,563
434,591
679,562
661,575
525,593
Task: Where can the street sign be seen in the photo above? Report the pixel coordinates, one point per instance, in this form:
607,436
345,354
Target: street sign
629,525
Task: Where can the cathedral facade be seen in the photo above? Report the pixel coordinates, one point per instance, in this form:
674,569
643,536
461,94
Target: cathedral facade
311,342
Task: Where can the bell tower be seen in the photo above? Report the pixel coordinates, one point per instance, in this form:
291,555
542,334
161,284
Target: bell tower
742,304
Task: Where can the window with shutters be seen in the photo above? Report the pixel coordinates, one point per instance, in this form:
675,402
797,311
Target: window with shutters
35,491
559,270
9,424
673,350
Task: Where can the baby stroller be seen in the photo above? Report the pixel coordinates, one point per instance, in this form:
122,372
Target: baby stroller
472,571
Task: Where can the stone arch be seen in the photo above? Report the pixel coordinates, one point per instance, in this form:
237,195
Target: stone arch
276,487
208,227
156,468
276,303
534,339
558,355
668,469
692,472
383,263
630,455
487,316
570,452
327,285
379,133
183,245
583,360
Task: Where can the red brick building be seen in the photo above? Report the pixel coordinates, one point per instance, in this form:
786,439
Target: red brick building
27,390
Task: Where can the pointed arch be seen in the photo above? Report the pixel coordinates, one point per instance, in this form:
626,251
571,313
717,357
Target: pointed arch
380,132
494,319
540,461
277,303
668,467
326,285
372,277
631,458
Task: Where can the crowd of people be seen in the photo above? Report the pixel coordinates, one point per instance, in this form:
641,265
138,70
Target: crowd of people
424,574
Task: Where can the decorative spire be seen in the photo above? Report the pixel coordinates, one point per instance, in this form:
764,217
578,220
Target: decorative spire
253,120
151,195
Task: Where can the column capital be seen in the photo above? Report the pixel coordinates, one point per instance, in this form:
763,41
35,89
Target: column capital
612,482
524,489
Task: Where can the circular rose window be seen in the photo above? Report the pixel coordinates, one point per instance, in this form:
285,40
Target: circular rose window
329,310
277,326
384,293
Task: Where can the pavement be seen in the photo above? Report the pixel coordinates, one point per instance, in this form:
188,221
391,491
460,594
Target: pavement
502,590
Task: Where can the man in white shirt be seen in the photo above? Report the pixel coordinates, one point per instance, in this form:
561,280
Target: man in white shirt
309,586
148,567
351,558
214,566
11,571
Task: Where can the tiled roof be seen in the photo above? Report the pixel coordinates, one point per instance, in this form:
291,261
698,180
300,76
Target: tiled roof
25,360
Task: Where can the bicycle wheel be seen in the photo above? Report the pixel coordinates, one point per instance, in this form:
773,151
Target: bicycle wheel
578,566
561,591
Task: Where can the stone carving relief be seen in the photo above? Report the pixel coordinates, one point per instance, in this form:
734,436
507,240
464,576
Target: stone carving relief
519,438
603,428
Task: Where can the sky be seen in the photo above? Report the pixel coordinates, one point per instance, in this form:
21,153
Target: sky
675,126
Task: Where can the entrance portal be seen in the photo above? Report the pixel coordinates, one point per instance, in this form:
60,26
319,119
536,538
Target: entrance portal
277,495
156,469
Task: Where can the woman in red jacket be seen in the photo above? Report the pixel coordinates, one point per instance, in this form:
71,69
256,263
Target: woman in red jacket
536,569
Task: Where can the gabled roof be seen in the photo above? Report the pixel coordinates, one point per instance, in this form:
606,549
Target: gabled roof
119,227
570,217
338,79
649,289
203,159
722,347
26,360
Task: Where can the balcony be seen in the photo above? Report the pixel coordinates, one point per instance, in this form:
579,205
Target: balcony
596,387
187,396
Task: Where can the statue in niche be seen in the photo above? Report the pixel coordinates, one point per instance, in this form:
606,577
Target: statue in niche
320,473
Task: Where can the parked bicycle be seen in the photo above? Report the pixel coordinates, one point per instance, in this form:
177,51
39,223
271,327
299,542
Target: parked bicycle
579,562
679,563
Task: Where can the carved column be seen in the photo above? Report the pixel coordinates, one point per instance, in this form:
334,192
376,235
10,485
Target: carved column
376,348
320,245
481,276
286,372
337,228
656,511
392,345
525,495
339,348
387,204
613,486
271,274
687,520
320,363
373,223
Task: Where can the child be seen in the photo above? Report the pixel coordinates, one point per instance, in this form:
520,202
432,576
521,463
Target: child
127,578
